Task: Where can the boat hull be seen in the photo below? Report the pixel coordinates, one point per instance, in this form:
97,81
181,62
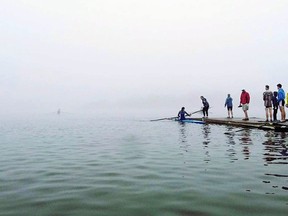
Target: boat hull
191,121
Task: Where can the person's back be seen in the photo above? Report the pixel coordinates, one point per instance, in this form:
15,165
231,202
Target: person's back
268,98
229,102
268,101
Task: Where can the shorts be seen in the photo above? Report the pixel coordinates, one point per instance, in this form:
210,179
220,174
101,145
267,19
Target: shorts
229,108
282,103
245,107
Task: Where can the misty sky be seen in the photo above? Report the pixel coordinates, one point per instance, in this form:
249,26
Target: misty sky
151,56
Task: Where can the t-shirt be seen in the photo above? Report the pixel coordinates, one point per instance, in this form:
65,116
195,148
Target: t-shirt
267,97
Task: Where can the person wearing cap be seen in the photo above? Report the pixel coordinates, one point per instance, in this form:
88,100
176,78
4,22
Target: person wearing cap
244,103
182,114
229,104
205,107
281,101
268,101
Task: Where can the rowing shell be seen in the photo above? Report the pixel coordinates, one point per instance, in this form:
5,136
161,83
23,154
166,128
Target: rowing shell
191,121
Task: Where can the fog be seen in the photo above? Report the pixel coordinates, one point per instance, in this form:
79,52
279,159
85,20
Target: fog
139,58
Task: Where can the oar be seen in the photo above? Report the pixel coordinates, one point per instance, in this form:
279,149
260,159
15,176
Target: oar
170,118
196,112
163,119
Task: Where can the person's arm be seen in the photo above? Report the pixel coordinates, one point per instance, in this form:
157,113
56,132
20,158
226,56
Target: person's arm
248,98
281,95
187,113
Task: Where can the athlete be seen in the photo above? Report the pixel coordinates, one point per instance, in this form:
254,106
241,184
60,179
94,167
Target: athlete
182,114
205,107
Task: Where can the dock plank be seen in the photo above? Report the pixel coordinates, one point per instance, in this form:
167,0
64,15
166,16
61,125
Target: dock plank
251,123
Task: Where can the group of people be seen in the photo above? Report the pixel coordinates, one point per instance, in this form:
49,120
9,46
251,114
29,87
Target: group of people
272,101
182,113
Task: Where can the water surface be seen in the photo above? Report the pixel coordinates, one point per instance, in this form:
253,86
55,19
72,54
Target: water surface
92,166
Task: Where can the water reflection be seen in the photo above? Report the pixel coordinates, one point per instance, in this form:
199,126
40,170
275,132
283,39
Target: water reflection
245,141
244,137
231,152
206,135
275,148
275,153
183,136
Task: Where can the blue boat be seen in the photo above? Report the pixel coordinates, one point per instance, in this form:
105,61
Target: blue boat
191,121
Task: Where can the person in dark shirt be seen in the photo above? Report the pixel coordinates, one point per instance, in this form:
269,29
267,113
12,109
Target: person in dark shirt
205,107
267,98
182,114
275,105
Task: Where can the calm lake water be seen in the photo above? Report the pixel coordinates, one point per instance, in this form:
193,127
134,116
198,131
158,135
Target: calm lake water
91,166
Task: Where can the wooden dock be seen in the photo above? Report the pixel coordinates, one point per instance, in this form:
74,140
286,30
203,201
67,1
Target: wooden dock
252,123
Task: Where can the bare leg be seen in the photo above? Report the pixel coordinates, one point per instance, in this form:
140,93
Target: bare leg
246,114
283,114
270,113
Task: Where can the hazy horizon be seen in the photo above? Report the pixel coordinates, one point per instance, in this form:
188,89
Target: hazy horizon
139,57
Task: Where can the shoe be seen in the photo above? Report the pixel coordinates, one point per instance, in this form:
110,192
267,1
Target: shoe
267,120
228,116
245,119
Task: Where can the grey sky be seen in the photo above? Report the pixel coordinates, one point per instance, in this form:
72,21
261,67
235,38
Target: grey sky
153,55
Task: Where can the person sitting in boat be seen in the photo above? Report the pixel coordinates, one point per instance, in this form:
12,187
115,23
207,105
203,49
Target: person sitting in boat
182,114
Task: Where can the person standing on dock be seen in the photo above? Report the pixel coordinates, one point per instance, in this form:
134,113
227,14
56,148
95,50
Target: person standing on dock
281,101
229,104
267,97
205,107
244,103
275,105
182,114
